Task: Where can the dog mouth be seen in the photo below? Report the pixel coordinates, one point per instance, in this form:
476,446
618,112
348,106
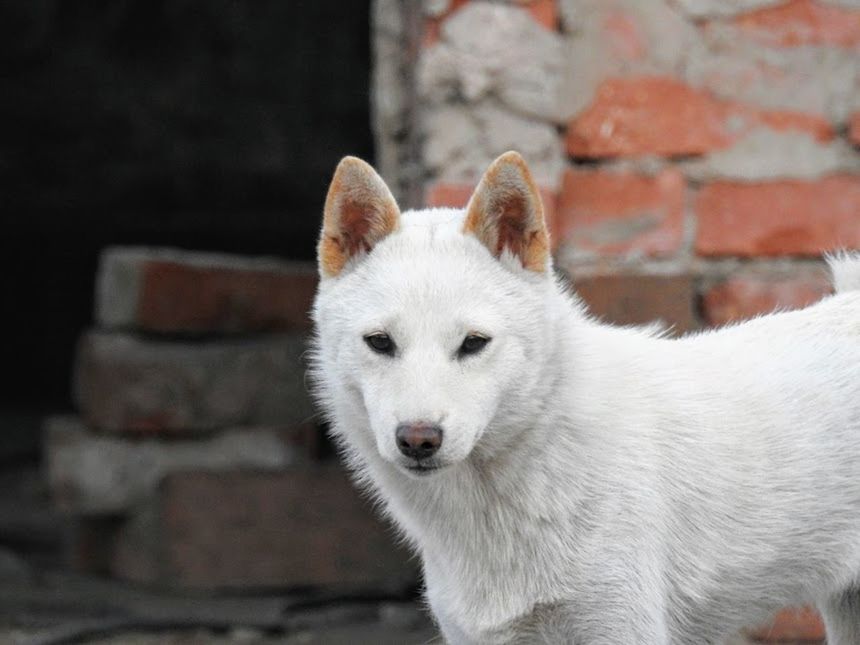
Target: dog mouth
421,469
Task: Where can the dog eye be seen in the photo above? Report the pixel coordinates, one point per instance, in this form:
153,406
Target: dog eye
380,343
472,344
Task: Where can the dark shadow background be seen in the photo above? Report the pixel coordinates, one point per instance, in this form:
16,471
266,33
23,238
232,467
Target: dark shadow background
203,124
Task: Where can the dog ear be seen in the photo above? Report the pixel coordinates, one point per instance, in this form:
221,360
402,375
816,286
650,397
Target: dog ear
506,212
359,212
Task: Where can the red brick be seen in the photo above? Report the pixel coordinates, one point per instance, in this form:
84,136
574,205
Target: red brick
293,528
740,298
629,299
803,22
545,13
169,291
615,213
457,196
790,217
792,625
433,25
444,194
854,129
662,116
304,527
174,297
783,120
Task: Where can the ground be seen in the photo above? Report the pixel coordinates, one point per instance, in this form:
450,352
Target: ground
45,606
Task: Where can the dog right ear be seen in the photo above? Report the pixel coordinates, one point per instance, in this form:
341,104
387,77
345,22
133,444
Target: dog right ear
359,212
505,213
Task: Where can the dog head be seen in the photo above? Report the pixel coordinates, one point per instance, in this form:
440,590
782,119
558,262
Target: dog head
431,325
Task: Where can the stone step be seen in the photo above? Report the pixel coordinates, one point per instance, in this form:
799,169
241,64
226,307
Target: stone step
128,383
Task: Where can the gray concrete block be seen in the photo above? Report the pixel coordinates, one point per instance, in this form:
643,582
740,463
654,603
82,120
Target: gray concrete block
94,473
127,383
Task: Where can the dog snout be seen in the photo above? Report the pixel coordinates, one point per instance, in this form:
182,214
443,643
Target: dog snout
418,440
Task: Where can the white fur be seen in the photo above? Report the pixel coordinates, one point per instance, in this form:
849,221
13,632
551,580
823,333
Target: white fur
602,484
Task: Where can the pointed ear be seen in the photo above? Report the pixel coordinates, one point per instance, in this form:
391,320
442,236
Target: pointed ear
359,212
506,212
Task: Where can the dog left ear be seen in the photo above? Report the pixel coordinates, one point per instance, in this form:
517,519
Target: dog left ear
506,212
359,212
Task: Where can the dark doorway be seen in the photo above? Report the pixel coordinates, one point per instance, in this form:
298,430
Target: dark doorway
203,124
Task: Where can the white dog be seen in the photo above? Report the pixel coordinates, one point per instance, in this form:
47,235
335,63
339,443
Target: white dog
566,481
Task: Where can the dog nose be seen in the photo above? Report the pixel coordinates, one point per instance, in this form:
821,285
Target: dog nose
418,440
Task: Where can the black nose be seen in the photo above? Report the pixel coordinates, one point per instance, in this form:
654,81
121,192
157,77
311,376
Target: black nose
418,440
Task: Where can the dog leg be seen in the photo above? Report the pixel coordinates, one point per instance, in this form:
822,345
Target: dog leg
842,618
632,626
452,634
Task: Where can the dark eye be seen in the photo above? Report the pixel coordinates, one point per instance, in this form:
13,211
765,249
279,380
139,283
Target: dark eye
472,344
380,343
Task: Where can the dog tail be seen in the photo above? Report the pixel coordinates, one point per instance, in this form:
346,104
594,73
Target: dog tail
845,271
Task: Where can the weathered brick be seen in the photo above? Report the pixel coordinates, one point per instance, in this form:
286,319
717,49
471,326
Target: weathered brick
433,24
802,22
621,38
491,49
89,542
461,141
125,383
790,217
442,194
766,155
92,473
250,530
814,80
785,121
790,626
121,546
544,12
662,116
457,196
165,290
854,129
647,116
622,213
629,299
743,297
136,549
626,40
698,9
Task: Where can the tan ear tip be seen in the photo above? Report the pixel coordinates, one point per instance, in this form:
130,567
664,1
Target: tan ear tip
510,164
353,164
510,161
511,156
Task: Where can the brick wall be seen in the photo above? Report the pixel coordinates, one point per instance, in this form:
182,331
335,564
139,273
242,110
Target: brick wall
696,157
707,148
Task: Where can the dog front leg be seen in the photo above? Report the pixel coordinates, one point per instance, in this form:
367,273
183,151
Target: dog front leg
452,634
612,622
634,633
